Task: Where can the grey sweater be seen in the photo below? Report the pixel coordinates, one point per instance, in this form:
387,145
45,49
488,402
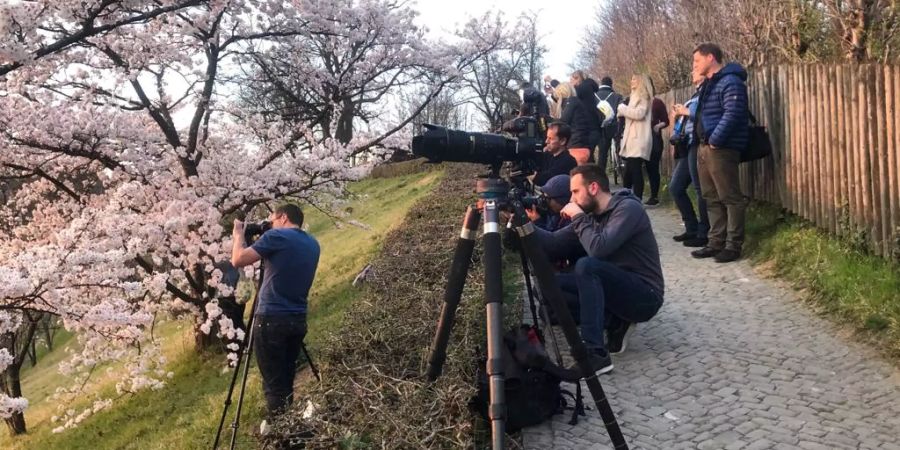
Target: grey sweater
621,234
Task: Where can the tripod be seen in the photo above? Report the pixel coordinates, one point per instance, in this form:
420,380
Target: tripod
495,193
247,350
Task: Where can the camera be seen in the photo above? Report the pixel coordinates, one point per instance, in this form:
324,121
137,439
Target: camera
253,230
537,202
439,144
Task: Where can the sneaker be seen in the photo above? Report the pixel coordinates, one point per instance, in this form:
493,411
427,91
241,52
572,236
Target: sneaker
727,255
264,428
652,201
696,242
705,252
600,362
618,338
683,237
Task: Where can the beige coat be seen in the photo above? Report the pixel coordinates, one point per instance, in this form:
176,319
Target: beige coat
637,140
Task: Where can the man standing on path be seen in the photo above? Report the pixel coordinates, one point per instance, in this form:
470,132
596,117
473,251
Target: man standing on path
722,130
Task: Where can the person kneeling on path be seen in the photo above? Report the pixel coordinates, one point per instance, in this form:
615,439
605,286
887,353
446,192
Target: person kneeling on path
621,274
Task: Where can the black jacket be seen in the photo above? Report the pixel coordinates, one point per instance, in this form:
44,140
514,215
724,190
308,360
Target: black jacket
614,98
582,116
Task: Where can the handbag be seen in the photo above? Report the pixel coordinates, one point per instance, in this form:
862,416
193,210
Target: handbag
759,145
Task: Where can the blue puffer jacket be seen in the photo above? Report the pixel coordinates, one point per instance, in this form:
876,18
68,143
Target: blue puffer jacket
724,109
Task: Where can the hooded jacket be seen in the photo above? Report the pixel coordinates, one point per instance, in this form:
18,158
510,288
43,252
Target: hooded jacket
581,114
621,234
722,109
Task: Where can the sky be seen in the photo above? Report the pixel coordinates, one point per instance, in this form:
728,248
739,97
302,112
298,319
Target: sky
562,23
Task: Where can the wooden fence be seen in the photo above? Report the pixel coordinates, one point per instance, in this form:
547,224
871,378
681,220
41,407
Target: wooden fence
836,136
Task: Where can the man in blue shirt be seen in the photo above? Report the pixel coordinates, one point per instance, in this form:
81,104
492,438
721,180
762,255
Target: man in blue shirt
290,257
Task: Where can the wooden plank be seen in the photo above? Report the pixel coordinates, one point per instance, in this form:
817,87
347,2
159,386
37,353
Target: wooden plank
840,84
881,159
894,158
812,155
786,137
803,100
855,144
833,149
823,191
868,154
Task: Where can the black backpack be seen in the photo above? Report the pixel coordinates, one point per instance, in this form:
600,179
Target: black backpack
531,386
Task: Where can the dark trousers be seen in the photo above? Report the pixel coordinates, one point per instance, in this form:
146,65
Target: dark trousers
634,176
721,187
653,165
603,288
276,341
603,150
683,175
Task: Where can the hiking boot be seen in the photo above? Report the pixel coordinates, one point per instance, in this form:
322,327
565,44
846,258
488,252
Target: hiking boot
727,255
652,201
617,339
600,362
683,237
696,242
705,252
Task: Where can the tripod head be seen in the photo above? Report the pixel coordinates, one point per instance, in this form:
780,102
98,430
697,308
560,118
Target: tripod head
506,190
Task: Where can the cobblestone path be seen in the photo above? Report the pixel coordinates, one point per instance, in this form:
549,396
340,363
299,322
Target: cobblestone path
734,361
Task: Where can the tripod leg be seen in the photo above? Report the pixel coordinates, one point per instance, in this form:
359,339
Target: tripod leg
237,365
310,361
459,268
493,299
237,415
550,289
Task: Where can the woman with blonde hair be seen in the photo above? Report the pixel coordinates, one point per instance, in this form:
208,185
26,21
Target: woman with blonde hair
637,139
561,95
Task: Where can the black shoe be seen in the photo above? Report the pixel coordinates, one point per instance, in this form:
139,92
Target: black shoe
652,201
617,339
696,242
683,237
727,256
600,362
705,252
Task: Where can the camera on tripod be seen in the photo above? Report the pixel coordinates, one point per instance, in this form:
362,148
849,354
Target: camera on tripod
540,203
521,146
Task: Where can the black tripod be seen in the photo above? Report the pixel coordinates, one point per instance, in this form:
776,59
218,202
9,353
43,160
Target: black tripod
495,193
247,350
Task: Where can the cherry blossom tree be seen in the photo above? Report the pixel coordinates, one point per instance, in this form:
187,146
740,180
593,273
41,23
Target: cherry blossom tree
126,149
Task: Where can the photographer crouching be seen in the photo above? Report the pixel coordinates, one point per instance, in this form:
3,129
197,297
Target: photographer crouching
621,275
290,257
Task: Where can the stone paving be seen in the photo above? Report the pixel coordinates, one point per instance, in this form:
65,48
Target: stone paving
735,361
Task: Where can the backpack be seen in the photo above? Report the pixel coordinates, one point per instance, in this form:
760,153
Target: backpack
605,108
531,383
759,145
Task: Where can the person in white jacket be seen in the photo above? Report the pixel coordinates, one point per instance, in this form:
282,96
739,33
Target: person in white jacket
637,140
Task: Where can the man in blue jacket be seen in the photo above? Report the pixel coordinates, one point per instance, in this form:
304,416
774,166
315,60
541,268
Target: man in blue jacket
722,130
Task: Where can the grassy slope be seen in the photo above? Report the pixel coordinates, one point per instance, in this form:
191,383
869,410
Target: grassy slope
849,285
185,413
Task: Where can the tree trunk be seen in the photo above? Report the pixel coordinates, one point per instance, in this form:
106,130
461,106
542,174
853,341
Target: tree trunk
210,342
344,131
12,386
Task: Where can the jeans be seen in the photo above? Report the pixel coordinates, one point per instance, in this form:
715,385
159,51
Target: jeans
603,288
276,341
684,175
653,165
721,186
634,176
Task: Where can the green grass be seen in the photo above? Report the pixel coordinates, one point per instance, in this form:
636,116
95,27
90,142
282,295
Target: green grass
849,285
185,413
